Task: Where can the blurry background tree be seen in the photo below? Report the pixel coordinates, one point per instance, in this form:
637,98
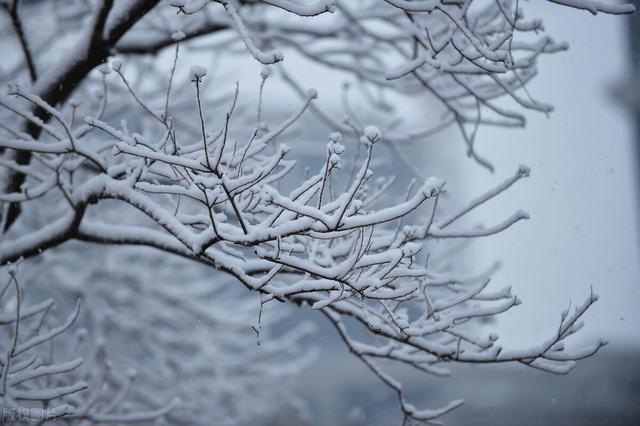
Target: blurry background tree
149,149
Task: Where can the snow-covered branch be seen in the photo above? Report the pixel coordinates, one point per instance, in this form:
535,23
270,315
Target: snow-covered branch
169,163
220,200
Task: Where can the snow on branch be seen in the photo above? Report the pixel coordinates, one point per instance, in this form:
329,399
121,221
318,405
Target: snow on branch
230,200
